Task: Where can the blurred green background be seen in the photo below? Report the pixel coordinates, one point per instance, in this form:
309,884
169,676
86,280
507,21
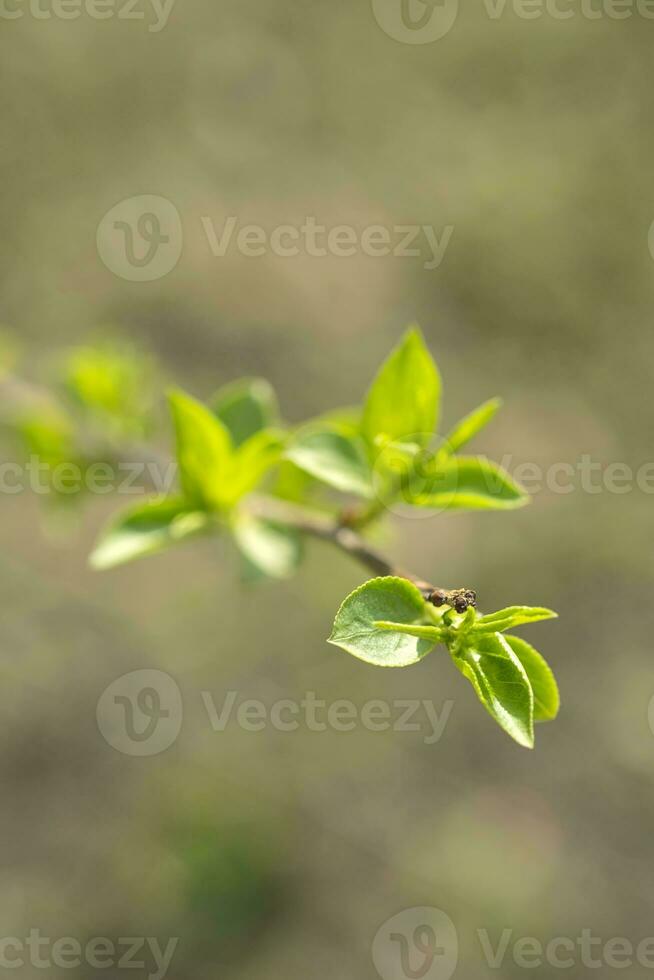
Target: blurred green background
277,854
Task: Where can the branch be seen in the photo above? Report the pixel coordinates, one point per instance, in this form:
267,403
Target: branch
320,526
19,394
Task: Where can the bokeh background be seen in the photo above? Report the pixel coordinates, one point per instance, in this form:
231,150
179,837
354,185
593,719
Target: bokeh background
279,854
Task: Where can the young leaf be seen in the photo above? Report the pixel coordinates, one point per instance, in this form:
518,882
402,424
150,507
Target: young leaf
113,381
145,530
403,401
391,600
501,684
273,549
204,451
250,463
245,407
333,457
506,619
541,678
469,426
465,482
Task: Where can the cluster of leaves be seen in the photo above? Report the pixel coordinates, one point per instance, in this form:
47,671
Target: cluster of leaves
388,622
388,450
384,452
101,398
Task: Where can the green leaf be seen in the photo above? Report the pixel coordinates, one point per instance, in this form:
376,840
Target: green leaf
112,380
389,599
204,451
245,407
147,529
469,426
464,482
273,549
506,619
403,402
541,678
501,684
334,457
251,461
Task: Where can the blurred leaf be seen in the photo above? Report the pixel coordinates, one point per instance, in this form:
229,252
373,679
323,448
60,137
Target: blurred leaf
501,684
464,482
273,549
112,381
250,463
204,451
387,599
506,619
245,407
230,884
50,435
403,402
145,530
541,678
469,426
334,457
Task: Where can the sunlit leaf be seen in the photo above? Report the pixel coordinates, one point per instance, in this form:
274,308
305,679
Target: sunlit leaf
468,427
146,529
501,684
245,407
388,599
402,404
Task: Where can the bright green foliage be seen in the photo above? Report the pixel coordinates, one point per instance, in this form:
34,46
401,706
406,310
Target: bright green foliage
270,549
541,678
385,449
356,626
147,529
388,622
506,619
245,407
383,452
213,473
501,684
464,482
204,451
468,427
112,383
335,457
403,402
